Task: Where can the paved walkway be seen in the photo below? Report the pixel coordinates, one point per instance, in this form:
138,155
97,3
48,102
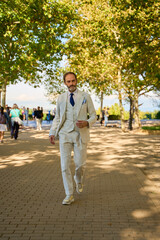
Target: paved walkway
121,199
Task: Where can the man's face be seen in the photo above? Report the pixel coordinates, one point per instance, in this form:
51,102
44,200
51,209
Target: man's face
71,82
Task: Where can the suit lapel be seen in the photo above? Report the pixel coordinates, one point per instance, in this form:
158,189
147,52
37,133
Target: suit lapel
79,100
64,103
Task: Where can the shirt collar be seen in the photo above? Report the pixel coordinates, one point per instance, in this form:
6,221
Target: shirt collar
75,92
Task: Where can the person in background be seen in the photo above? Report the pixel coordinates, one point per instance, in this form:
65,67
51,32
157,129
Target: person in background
3,126
49,116
8,119
24,113
42,115
15,112
102,117
38,114
106,115
34,109
27,114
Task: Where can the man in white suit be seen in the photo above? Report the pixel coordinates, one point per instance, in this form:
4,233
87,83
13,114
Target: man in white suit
75,114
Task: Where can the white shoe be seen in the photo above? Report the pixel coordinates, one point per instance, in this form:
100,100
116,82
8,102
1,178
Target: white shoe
68,200
79,186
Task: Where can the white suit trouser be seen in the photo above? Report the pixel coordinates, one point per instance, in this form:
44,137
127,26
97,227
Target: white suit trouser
105,120
39,123
80,152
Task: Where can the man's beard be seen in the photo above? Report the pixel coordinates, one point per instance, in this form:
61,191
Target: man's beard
73,88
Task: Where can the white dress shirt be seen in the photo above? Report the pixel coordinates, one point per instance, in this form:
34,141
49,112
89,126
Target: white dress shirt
74,95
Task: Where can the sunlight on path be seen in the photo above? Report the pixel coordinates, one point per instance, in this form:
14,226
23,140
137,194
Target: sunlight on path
121,193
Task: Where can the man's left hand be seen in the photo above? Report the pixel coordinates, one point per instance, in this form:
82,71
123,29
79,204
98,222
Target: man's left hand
82,124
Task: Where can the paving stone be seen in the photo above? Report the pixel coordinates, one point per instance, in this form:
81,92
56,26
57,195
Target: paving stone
120,201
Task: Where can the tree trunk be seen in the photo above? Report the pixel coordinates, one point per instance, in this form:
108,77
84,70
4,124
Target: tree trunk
120,100
101,107
131,111
4,94
136,112
0,96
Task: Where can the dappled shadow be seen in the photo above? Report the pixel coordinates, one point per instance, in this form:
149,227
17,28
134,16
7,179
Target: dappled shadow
122,161
119,200
29,147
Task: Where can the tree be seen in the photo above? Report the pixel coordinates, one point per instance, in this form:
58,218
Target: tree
31,39
139,33
112,45
91,51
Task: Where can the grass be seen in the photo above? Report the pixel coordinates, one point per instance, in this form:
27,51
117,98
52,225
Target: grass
151,128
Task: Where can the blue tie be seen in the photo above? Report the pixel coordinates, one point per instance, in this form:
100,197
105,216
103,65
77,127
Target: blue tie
72,100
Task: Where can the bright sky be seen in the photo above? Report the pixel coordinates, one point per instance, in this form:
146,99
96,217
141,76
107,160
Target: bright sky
28,96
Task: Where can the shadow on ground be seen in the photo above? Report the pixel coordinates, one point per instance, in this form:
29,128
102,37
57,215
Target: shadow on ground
120,200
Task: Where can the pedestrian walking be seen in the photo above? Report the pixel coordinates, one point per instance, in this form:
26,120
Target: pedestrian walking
27,114
106,115
24,113
38,114
75,114
15,121
33,111
8,119
102,117
3,126
49,116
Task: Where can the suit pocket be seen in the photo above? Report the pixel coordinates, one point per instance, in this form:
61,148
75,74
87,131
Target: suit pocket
84,107
84,132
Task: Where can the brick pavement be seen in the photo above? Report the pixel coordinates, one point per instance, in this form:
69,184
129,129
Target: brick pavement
120,199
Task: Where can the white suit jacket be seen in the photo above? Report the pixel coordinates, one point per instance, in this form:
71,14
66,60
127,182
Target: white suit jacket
84,111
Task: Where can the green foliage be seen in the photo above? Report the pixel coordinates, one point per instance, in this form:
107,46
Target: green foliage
98,111
31,38
114,117
151,128
114,112
114,109
88,48
44,116
54,84
114,46
157,115
126,115
150,115
142,115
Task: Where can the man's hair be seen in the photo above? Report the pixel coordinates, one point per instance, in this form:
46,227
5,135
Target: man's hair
67,73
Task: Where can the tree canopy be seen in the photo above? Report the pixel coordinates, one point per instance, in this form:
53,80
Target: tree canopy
114,46
111,45
31,40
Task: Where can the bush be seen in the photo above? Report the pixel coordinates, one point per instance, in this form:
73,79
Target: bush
148,116
158,115
114,117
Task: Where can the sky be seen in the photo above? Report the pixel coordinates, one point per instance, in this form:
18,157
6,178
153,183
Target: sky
28,96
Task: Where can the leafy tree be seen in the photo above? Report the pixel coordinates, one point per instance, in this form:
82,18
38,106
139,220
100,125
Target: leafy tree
31,38
126,34
54,84
91,51
139,33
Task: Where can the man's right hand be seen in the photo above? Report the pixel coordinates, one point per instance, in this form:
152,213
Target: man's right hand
52,139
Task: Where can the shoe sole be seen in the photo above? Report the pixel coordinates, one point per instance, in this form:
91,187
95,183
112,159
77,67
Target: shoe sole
77,189
64,203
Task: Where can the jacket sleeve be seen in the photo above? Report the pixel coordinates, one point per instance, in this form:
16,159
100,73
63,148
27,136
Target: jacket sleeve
92,113
56,121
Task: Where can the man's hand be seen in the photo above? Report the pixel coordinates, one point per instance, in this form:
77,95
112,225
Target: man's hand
52,139
82,124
